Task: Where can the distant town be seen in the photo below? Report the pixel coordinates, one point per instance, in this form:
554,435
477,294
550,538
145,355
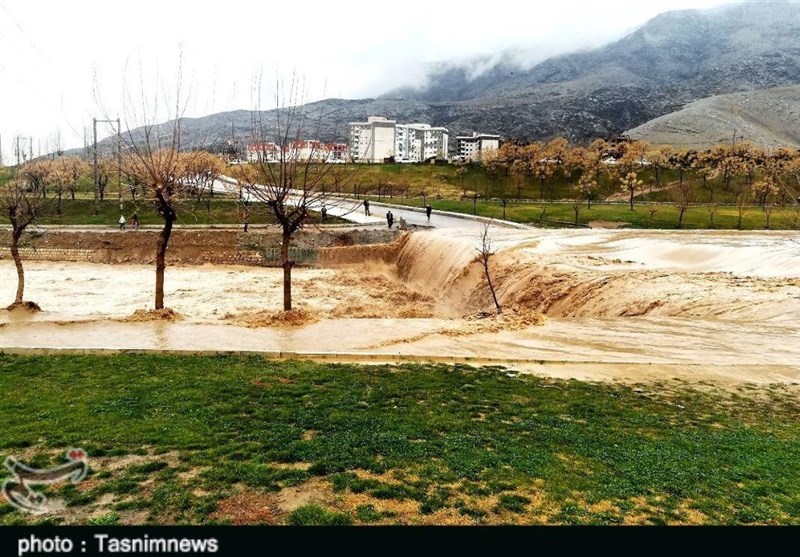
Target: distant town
380,140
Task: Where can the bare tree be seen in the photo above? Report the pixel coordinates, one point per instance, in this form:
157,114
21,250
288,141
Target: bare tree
293,173
22,205
37,173
149,157
59,177
712,209
587,187
201,170
77,168
683,200
742,204
652,209
576,208
461,175
485,253
105,168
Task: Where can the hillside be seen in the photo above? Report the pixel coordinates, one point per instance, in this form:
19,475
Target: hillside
770,117
674,59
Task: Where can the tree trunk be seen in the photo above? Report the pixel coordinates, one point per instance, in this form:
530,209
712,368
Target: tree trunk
161,252
576,216
491,286
680,217
72,192
58,205
18,264
739,224
632,192
287,271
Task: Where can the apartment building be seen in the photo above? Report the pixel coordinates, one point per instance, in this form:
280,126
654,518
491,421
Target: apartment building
373,140
379,138
470,147
420,142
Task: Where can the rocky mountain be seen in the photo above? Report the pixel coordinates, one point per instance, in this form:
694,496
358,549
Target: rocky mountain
768,117
672,60
675,58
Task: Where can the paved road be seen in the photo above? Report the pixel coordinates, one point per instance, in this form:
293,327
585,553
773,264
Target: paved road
353,211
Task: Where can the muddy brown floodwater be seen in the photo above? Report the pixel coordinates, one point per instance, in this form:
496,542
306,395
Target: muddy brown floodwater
618,304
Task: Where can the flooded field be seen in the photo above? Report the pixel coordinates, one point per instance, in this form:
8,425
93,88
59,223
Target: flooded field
609,297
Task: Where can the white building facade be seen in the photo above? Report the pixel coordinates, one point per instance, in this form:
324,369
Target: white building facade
470,147
420,142
372,141
379,139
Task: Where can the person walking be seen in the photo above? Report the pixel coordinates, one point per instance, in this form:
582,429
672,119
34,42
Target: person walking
428,211
135,221
122,222
324,212
390,219
366,207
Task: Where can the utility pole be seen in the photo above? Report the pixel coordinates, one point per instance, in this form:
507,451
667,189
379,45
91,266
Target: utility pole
30,147
94,169
1,150
119,164
17,151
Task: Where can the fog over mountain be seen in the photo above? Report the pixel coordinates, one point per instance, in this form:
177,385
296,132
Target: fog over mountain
672,60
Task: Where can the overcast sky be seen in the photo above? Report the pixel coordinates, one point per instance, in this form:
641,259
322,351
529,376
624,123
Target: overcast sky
62,63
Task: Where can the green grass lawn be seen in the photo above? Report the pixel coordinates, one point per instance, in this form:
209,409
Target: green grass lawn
666,216
417,443
406,184
223,211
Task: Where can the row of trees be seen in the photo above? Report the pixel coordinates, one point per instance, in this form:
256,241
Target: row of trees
152,165
602,169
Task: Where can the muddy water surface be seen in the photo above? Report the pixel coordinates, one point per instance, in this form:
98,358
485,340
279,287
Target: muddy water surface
611,297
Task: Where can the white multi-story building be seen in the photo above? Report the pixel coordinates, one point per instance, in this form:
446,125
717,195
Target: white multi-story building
373,140
420,142
470,147
379,139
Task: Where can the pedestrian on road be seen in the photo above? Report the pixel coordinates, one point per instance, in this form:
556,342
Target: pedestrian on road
390,218
121,222
246,218
135,221
366,207
428,211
